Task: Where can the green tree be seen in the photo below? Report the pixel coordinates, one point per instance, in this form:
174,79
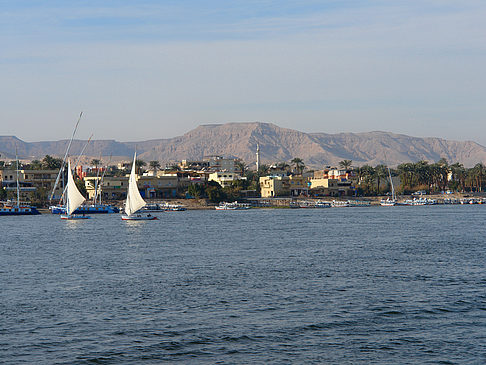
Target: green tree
95,162
345,164
241,166
154,165
139,164
51,163
298,164
81,187
196,190
380,172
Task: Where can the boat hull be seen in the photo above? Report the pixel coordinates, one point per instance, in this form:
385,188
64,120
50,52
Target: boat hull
90,209
74,217
19,211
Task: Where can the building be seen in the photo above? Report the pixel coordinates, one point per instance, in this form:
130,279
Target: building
331,187
273,186
210,163
224,178
31,181
112,188
115,188
282,185
157,187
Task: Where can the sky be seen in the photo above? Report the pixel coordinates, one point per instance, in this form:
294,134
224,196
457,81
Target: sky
150,69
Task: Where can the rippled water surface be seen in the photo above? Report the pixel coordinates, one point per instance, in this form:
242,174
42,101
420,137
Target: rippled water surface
344,285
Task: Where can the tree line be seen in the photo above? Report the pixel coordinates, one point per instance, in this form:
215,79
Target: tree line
422,175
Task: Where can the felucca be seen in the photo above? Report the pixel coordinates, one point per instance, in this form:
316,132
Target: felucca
73,198
135,201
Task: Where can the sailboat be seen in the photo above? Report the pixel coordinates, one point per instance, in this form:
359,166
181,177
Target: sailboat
134,201
73,198
7,208
393,201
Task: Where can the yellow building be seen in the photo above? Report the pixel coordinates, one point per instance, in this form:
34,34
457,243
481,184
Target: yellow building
273,186
331,187
225,178
31,181
115,188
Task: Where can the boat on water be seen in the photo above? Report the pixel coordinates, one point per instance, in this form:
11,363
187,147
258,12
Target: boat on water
74,198
233,206
393,201
135,202
17,208
86,209
340,203
312,204
419,201
388,202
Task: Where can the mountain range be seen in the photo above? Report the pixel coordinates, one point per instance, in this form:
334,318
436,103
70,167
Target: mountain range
276,145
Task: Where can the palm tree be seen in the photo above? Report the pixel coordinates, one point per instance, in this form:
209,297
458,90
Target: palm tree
154,165
241,166
51,163
139,164
459,175
283,166
96,162
345,164
380,172
299,164
263,170
478,175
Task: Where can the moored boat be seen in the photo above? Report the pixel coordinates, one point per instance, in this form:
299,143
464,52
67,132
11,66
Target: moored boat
9,208
233,206
86,209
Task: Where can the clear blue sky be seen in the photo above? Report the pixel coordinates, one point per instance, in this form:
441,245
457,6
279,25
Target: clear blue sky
156,69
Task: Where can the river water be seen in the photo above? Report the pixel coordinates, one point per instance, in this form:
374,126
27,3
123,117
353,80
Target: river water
369,285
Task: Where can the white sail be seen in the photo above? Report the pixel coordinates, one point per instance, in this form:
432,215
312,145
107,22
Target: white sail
74,197
134,199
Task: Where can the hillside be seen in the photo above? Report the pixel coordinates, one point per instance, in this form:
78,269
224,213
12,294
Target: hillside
276,144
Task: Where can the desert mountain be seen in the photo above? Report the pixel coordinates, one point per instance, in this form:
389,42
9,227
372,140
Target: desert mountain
276,145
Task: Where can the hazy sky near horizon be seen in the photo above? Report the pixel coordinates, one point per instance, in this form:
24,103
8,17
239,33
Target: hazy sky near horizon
156,69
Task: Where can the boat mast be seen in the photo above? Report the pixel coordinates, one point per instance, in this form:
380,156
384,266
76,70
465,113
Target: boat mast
96,184
76,164
102,177
18,189
391,182
64,160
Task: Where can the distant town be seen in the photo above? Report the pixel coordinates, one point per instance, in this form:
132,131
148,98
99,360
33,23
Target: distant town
218,178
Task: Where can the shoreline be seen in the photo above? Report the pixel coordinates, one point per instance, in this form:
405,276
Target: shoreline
284,202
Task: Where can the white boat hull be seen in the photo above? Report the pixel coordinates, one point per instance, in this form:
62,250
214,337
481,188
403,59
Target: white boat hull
74,217
138,217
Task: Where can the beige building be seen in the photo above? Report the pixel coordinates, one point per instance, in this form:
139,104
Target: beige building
224,178
31,181
115,188
331,187
211,163
275,186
